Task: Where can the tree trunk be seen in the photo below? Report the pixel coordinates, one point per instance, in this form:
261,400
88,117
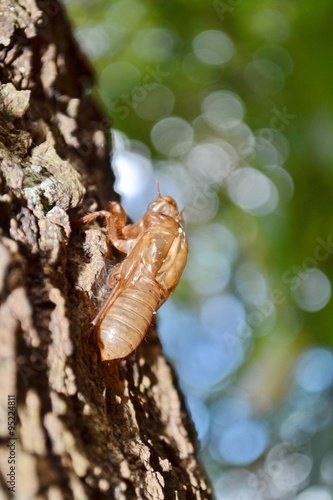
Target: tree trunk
84,428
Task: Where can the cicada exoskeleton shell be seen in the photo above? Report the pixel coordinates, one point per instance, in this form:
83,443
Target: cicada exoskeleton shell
156,249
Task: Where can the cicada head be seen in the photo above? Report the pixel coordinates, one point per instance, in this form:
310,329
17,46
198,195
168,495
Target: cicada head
165,205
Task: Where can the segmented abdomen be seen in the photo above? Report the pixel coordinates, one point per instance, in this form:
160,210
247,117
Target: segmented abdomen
126,322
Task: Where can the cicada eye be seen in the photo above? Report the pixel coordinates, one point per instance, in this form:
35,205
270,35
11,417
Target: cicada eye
163,208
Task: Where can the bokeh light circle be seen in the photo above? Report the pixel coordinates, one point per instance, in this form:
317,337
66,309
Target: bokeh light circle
224,317
271,25
243,441
264,77
172,136
313,289
212,161
222,110
286,468
314,370
209,363
153,102
253,191
282,180
278,55
251,283
213,47
154,44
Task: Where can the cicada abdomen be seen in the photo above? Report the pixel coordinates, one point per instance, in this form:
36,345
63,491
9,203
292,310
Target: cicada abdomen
127,321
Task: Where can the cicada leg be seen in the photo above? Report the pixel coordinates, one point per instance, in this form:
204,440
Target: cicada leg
121,236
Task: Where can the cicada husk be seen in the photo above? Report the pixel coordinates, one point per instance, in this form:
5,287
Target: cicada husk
156,248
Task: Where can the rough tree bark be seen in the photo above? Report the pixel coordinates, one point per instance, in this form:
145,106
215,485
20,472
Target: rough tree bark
85,429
